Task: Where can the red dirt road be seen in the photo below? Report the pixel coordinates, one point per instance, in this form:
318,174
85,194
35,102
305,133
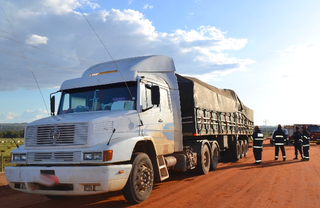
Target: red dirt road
291,183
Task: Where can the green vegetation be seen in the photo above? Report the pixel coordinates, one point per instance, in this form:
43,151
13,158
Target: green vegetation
12,126
6,146
12,130
12,134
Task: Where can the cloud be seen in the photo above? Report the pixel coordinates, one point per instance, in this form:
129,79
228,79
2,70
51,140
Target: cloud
125,33
27,116
31,115
36,39
8,116
90,4
147,6
304,49
40,7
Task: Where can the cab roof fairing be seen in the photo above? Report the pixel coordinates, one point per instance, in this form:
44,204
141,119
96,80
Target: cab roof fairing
129,68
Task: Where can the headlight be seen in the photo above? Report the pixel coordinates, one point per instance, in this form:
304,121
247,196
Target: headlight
19,157
92,156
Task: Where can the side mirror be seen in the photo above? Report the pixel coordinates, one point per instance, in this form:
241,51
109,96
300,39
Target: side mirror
52,105
155,95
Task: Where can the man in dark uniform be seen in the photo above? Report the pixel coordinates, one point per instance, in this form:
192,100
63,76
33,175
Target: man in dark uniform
279,138
305,143
296,136
257,137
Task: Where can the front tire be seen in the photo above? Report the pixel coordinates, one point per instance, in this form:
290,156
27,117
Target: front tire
140,181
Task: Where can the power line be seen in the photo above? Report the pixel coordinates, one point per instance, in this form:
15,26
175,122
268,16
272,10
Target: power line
28,63
13,54
47,50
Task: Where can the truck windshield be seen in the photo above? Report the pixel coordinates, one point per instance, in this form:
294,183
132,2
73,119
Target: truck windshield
99,98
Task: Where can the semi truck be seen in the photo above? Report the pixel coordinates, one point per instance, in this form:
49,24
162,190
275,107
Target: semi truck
124,125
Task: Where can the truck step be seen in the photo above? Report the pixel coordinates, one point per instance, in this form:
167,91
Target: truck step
163,170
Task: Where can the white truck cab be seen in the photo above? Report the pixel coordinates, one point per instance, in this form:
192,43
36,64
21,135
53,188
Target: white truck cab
104,117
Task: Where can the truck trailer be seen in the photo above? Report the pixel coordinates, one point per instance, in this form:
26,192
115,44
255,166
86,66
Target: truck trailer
123,125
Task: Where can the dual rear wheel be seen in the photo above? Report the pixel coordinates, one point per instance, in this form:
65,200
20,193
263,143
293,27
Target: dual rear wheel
242,148
208,160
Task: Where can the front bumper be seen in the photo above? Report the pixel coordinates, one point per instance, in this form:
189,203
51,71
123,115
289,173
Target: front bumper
72,179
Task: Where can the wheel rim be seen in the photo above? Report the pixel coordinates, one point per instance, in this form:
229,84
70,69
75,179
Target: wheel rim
144,178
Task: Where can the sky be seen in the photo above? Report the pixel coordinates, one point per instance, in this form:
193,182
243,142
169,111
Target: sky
266,51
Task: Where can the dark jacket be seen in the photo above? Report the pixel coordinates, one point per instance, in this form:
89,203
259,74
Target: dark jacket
257,137
305,138
297,137
279,137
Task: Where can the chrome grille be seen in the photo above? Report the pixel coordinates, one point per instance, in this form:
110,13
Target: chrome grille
64,134
53,157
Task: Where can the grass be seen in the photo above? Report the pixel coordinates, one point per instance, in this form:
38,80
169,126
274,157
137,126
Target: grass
6,146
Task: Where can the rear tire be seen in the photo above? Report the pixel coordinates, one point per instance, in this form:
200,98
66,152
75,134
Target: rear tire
141,178
242,150
214,157
203,163
246,147
238,153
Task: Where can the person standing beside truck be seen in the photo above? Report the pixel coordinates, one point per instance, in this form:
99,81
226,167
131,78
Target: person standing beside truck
305,143
297,140
257,137
279,139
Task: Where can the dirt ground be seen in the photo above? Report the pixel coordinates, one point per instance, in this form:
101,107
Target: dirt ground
290,183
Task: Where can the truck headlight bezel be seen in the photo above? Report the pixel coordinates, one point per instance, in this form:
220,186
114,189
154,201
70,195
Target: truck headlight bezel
19,157
92,156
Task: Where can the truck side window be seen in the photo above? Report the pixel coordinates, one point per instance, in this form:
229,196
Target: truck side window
146,96
164,98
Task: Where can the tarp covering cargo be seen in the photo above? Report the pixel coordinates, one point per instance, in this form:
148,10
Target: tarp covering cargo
195,93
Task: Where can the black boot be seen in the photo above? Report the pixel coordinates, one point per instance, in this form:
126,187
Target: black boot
296,157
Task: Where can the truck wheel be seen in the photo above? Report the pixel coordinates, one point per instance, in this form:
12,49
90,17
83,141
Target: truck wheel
214,157
140,181
246,147
242,150
203,163
238,150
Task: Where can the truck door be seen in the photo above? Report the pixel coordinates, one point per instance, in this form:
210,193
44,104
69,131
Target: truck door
157,120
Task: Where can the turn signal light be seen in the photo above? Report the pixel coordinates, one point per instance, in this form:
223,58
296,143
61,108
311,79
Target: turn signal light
107,155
